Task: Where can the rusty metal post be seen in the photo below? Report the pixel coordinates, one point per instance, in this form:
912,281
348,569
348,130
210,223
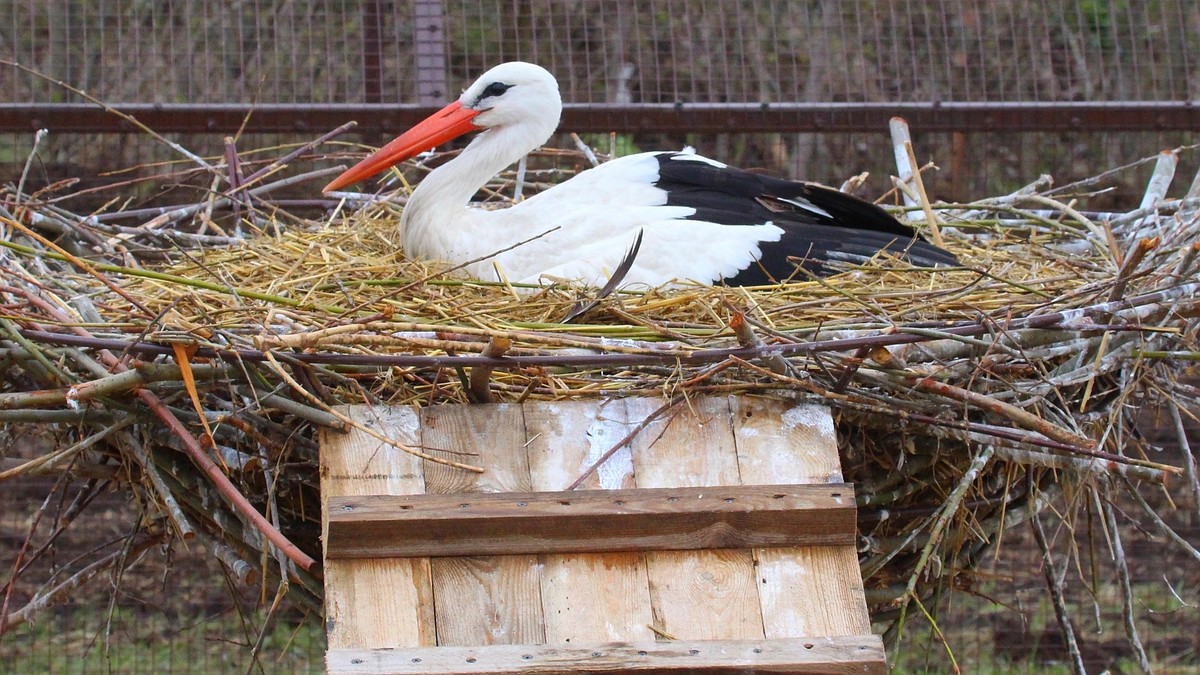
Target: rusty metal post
372,50
429,36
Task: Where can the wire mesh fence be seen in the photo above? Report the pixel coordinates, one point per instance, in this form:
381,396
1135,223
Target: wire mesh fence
608,51
659,71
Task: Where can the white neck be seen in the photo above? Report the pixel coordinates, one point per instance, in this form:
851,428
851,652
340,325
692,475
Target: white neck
436,222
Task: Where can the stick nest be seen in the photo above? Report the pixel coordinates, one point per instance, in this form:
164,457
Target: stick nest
966,399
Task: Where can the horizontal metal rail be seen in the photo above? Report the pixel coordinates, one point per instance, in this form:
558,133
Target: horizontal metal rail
706,118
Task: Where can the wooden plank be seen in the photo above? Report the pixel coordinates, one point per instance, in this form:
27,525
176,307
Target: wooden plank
566,437
375,603
596,597
490,599
695,595
779,442
487,600
804,591
844,655
491,437
587,521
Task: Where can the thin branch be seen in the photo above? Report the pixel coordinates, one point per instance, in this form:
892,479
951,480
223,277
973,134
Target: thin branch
1118,552
481,375
1055,586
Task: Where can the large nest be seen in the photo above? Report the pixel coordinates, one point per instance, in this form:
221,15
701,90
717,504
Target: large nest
192,366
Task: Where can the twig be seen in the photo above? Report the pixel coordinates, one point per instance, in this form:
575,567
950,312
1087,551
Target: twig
520,180
905,168
1185,262
1185,447
283,161
246,573
1157,519
1183,295
1156,192
192,209
224,485
360,427
947,510
109,109
80,264
1160,178
587,151
183,525
637,429
1022,417
51,597
481,375
234,178
293,407
268,621
16,565
1187,214
1081,461
1129,266
1054,584
747,338
37,140
1118,552
930,218
45,462
110,385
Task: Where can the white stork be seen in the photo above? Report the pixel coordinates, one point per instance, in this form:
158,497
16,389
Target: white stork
699,219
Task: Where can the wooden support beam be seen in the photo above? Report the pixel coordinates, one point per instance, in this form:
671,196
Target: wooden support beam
589,521
853,654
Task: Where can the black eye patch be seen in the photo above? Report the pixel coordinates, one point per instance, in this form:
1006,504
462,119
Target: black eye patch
495,89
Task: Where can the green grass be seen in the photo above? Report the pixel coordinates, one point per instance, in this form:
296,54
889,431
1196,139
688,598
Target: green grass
988,638
140,642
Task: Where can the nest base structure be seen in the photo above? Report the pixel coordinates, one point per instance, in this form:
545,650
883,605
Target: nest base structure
716,536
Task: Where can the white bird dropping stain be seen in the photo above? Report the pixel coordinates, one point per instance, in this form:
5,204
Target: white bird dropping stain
602,434
810,416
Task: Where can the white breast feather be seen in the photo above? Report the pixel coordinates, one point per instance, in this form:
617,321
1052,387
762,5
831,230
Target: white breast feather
598,214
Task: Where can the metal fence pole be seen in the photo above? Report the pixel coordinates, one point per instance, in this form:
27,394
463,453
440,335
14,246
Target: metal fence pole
372,48
429,37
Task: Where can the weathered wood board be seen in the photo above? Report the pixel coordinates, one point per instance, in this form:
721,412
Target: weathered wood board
589,521
833,656
526,606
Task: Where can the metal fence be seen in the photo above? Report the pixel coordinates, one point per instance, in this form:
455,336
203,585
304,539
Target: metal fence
802,88
609,51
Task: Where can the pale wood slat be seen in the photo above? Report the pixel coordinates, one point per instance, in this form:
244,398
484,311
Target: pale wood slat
594,597
695,595
804,590
375,603
834,656
482,600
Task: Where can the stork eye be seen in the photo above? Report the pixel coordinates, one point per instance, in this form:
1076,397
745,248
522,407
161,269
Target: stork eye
495,89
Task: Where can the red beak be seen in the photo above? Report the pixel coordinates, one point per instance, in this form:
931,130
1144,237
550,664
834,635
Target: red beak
449,122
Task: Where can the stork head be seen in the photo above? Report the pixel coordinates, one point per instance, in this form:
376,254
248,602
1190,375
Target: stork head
515,96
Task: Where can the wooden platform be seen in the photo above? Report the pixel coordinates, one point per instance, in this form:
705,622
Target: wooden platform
728,545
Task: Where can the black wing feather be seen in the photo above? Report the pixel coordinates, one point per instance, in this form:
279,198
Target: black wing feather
823,228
